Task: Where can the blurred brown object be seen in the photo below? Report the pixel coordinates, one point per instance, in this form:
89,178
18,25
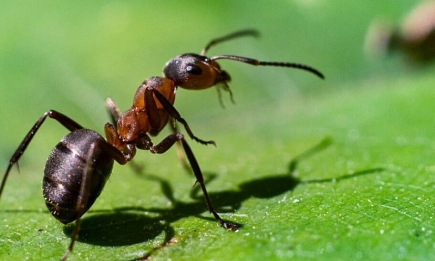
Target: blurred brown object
415,38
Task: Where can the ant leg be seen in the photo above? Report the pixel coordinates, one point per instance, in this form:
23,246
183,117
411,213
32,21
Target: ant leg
164,145
61,118
176,115
180,153
200,180
114,111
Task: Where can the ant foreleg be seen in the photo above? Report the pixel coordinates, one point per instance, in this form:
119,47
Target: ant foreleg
176,115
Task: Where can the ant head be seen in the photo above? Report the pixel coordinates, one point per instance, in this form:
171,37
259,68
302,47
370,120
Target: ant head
198,72
194,72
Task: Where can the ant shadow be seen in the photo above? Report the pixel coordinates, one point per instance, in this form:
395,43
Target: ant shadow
132,225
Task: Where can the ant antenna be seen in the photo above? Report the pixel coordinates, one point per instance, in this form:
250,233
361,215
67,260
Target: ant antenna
247,32
279,64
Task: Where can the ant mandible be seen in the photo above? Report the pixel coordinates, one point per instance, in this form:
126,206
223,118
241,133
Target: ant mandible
80,164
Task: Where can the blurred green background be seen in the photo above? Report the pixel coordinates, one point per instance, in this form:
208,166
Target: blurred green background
379,116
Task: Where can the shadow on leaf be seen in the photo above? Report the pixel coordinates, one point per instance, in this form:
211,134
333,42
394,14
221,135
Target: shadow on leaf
118,229
131,225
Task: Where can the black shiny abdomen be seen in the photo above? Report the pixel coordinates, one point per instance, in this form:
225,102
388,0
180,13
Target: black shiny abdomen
65,169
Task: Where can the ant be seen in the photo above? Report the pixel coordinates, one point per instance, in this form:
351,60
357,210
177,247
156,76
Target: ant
81,163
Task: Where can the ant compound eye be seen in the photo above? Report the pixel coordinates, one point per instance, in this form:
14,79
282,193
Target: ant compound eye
193,69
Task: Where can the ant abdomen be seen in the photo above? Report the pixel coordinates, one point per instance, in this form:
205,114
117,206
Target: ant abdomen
74,157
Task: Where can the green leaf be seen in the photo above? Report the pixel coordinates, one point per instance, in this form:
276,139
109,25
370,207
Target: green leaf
325,170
